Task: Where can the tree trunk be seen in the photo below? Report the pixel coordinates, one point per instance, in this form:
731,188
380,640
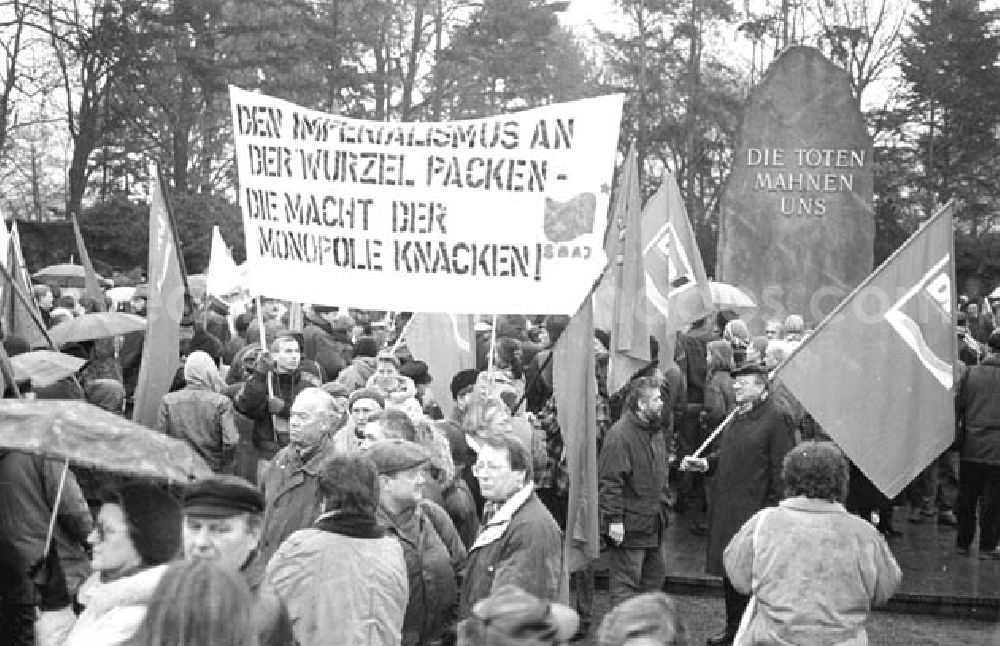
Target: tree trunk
691,118
438,68
411,62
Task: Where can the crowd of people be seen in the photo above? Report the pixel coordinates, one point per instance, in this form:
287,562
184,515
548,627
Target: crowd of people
350,505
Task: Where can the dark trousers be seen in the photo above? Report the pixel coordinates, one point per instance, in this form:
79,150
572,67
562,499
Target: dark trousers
736,603
17,624
633,571
581,590
978,481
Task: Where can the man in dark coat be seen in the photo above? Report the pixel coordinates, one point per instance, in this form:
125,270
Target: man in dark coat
745,475
977,405
222,523
632,482
277,372
520,543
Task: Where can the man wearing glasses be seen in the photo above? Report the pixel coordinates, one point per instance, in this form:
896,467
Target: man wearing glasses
520,543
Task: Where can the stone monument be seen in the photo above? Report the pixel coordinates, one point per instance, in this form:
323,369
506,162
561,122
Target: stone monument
797,229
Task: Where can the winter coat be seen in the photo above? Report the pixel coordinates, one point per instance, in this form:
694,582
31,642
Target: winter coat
632,481
978,405
252,402
434,557
521,545
114,611
356,375
745,473
815,571
204,419
344,582
331,349
28,487
458,501
292,500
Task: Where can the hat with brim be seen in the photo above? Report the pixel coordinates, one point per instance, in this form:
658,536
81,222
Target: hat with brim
511,610
222,496
394,456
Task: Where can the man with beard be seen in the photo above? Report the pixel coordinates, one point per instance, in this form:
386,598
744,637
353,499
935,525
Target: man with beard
632,493
745,476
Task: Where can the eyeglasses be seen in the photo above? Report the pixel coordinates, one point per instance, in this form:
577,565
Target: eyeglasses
481,468
103,531
363,410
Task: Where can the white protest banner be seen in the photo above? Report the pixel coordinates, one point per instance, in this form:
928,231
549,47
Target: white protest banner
505,214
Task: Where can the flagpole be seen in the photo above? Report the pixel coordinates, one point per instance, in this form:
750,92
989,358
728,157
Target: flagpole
718,429
267,377
55,508
948,207
402,333
28,306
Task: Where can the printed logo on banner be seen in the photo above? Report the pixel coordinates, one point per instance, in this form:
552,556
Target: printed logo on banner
566,221
669,262
922,319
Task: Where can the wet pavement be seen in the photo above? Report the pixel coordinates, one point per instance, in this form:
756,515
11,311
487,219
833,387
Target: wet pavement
936,578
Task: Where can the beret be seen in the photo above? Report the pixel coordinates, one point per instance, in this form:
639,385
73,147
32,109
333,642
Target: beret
221,496
366,393
393,456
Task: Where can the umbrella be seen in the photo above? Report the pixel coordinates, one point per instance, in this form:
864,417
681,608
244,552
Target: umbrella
66,276
81,433
727,297
96,325
44,367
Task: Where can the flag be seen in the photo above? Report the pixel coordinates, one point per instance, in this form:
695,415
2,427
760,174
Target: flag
629,351
446,343
676,284
92,288
223,276
20,314
877,373
165,306
574,386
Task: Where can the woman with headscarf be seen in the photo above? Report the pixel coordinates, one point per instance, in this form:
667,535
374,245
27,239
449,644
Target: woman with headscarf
201,415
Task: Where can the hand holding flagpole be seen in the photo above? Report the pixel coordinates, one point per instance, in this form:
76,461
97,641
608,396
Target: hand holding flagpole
695,462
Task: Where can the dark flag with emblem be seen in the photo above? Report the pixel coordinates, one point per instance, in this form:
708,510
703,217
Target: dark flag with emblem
676,284
878,372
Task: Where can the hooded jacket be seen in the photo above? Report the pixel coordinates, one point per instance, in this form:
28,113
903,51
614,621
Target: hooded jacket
200,415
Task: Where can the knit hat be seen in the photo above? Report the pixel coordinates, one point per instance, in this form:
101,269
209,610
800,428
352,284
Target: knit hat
366,393
154,520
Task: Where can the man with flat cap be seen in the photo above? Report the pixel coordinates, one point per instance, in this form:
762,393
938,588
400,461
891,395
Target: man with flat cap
222,521
744,476
432,548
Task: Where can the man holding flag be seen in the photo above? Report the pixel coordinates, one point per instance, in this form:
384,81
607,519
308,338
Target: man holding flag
745,476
